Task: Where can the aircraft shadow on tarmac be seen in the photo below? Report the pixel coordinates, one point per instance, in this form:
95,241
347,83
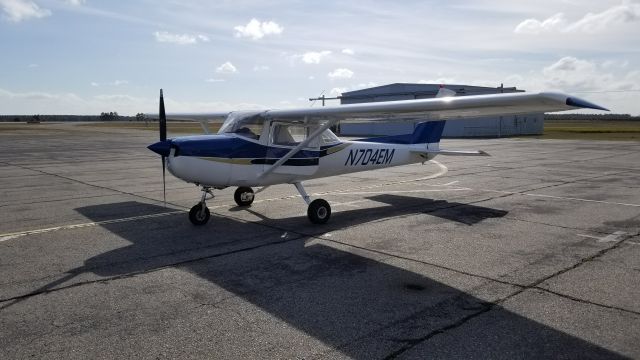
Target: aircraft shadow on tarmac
362,307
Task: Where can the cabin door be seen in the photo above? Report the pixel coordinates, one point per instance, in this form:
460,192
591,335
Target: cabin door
283,137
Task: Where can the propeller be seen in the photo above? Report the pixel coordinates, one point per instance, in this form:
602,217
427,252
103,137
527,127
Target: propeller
163,137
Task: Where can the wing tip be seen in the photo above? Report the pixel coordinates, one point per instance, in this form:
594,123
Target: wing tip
579,103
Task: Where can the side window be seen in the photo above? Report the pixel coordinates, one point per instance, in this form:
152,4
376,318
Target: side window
298,133
290,135
281,136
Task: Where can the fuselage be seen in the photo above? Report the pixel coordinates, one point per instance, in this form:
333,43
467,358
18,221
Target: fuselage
231,160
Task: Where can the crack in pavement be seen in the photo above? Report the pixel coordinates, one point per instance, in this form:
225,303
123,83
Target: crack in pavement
583,301
411,343
13,300
90,184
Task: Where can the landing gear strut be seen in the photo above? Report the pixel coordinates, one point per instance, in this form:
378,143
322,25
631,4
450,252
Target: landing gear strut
199,213
319,210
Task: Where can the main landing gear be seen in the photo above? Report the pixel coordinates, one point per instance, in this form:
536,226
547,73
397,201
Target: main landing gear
318,212
243,196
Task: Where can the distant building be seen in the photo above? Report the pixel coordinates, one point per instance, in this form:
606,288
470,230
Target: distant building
528,124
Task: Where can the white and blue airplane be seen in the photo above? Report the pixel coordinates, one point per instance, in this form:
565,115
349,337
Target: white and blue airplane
268,147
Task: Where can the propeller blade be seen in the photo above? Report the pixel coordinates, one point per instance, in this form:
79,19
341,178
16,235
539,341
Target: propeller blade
163,136
164,186
162,119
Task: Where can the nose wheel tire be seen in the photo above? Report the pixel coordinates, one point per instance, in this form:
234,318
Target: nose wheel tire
243,196
319,211
199,214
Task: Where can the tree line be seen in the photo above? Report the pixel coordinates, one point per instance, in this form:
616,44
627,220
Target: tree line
594,117
104,116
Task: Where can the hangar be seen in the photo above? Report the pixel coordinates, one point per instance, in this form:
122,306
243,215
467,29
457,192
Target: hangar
527,124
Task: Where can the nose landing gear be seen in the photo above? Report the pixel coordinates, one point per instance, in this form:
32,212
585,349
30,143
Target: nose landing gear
199,213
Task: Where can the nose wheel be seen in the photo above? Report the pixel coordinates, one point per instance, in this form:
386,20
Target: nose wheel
199,213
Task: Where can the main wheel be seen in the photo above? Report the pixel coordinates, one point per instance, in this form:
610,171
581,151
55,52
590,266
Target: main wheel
198,215
243,196
319,211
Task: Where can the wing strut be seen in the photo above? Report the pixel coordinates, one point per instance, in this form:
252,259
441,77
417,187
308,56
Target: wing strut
293,151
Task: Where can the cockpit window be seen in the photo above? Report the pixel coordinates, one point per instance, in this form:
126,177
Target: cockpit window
246,124
328,138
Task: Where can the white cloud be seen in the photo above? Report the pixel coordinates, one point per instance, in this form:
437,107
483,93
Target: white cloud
180,39
314,57
341,73
112,83
68,103
535,26
337,91
226,68
117,98
256,30
37,96
19,10
213,80
261,68
590,23
571,74
615,63
348,51
75,2
311,77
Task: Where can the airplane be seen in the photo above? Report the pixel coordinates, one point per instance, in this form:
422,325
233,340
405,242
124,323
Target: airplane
269,147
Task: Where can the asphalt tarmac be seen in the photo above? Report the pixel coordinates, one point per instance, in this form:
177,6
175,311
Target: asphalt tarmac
531,253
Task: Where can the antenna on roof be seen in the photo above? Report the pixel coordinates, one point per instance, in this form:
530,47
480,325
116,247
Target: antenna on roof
323,98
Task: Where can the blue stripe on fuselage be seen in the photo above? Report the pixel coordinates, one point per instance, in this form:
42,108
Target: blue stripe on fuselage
224,146
424,132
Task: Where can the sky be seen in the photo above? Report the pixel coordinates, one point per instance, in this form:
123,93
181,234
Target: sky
93,56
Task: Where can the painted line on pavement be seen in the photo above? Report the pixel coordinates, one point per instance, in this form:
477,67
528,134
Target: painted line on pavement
10,236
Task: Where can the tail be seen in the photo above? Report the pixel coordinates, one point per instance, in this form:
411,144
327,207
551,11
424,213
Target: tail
424,133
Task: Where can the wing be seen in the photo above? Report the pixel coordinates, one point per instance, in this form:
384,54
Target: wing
202,118
443,108
194,116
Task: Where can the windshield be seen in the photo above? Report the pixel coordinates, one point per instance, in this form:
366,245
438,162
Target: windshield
247,124
328,138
